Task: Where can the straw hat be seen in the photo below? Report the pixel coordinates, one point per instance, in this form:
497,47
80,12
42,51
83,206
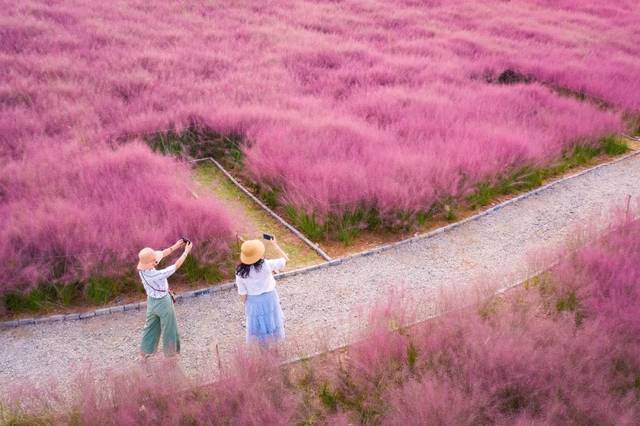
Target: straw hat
148,258
251,251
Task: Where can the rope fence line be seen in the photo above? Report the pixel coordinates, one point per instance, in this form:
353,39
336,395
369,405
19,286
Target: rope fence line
333,262
264,207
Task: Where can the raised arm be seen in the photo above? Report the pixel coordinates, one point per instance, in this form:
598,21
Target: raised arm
166,252
275,245
183,256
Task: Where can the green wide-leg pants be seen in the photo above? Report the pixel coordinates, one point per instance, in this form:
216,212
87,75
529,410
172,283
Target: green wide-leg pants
161,319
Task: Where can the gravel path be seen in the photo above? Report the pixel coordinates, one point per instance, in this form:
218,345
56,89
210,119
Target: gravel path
325,306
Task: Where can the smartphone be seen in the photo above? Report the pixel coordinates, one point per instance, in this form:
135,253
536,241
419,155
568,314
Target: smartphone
186,241
267,237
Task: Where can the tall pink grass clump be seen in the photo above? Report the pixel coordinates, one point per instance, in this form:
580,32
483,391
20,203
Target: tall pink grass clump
68,213
253,391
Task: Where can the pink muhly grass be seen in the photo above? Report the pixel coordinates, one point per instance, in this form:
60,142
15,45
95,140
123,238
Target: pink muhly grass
153,394
579,364
537,355
383,344
255,390
90,211
342,105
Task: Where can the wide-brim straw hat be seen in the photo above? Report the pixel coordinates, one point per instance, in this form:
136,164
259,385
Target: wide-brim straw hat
251,251
148,258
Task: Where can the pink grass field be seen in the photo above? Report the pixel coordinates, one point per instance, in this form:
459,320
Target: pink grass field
88,212
563,350
342,104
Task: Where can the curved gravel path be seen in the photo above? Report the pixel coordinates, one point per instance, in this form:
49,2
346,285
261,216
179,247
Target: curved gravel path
323,307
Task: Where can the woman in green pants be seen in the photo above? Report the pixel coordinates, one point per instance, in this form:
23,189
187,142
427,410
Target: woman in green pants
161,317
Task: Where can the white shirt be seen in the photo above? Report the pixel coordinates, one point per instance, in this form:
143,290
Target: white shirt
262,281
155,281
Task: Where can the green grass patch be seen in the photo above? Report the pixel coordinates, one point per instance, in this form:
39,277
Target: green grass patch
306,223
195,272
450,213
255,219
527,179
614,146
348,226
35,300
100,290
328,397
166,143
19,417
198,143
345,227
412,356
581,155
568,302
67,294
270,199
269,196
483,195
422,217
96,290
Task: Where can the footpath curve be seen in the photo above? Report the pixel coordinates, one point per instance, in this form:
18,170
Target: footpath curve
324,307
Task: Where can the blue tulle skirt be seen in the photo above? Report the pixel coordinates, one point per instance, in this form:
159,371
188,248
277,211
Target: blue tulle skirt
265,321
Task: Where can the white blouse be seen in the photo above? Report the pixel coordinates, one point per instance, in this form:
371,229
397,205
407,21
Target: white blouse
262,281
155,281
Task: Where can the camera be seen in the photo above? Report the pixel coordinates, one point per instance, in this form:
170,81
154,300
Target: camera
186,240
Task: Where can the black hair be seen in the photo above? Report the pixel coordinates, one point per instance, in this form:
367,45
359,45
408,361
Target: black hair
242,270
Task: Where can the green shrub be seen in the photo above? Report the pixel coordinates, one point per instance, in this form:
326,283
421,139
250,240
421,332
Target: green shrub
44,296
28,302
532,180
328,397
268,196
100,290
373,219
450,213
197,143
422,217
483,195
347,234
614,146
17,417
581,155
412,356
166,143
67,294
306,223
347,226
568,302
195,272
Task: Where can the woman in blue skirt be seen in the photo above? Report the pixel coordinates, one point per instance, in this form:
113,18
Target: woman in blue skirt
257,289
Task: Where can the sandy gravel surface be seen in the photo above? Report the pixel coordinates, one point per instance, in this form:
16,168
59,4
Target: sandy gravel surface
323,307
